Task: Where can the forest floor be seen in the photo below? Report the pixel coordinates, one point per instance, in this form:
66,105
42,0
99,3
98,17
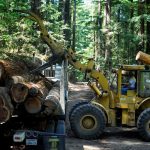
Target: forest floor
114,138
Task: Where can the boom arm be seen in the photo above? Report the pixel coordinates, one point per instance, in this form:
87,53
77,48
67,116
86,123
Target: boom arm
88,69
59,53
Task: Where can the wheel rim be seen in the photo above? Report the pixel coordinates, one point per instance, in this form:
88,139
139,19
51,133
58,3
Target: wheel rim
148,126
88,122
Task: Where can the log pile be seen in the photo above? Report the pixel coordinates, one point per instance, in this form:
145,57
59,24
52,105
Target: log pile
40,98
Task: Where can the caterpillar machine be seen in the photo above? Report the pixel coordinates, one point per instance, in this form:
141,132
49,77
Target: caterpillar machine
109,107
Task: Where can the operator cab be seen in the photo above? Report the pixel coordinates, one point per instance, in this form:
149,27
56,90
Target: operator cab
142,77
144,83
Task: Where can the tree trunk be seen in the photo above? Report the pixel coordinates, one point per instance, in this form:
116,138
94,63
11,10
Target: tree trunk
98,33
74,27
148,28
131,44
61,9
108,52
141,11
35,6
67,21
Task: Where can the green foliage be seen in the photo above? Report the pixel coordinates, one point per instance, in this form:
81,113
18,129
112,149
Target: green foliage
84,25
19,34
122,36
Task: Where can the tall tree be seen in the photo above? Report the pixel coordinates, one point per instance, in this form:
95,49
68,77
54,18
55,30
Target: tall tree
141,11
106,21
148,28
67,21
98,24
131,48
35,6
61,9
74,26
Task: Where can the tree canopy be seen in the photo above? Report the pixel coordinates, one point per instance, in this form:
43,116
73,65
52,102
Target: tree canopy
110,31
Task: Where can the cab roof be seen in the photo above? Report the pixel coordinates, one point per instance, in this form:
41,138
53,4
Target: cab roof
132,67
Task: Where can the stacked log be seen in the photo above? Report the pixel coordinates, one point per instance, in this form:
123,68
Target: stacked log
19,92
52,101
6,107
10,68
143,57
36,98
36,95
33,105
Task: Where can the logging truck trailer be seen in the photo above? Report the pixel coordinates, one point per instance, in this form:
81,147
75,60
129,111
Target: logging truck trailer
22,135
112,107
37,140
31,132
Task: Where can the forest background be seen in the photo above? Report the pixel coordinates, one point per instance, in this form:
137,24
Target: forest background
110,31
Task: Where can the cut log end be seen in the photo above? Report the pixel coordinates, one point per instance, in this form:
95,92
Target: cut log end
4,114
33,91
19,92
143,57
33,105
138,55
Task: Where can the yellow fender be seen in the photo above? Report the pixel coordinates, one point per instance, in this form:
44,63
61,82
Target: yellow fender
103,108
145,103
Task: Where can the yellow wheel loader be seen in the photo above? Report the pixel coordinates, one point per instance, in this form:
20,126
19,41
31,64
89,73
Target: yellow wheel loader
109,107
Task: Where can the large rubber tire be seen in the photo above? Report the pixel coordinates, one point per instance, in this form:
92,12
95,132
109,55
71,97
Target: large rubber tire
75,106
87,121
143,124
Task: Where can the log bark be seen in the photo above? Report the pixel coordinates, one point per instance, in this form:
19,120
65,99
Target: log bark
41,88
52,101
13,68
13,80
9,69
44,86
143,57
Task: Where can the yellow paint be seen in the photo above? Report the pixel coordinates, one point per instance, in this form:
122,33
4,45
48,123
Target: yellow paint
109,101
124,116
133,67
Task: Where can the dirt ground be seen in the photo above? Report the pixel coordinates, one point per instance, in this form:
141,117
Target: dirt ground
116,138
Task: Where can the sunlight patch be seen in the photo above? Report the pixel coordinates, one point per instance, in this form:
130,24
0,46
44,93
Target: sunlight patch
87,147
